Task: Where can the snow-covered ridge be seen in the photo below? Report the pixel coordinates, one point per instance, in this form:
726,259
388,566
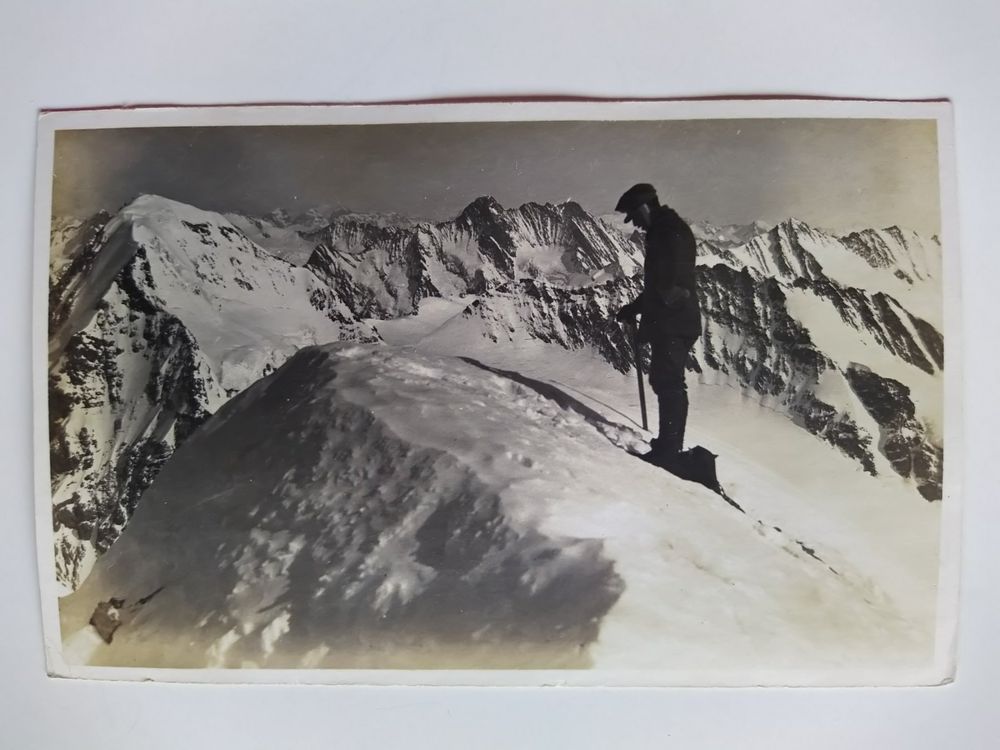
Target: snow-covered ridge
341,532
342,523
891,261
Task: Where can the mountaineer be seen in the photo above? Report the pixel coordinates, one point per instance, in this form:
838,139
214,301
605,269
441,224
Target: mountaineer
670,317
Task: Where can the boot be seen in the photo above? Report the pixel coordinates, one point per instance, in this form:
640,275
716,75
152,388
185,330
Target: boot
673,410
660,455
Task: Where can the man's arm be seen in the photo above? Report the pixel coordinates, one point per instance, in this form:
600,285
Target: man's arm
626,313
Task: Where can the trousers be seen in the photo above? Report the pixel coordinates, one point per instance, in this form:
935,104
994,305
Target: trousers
669,355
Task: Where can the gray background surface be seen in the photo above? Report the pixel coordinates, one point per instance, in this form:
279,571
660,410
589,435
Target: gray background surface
70,54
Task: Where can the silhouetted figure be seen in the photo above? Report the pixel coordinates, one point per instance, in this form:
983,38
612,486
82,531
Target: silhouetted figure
668,306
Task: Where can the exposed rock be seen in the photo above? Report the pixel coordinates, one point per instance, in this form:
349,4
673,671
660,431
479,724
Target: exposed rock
903,439
107,618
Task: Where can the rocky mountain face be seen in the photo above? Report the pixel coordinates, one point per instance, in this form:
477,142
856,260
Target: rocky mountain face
158,315
538,310
902,437
727,235
162,312
125,391
384,270
867,302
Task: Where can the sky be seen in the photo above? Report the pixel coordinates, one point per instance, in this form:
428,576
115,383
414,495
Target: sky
839,174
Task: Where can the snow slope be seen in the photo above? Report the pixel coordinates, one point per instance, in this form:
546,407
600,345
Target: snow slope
771,465
284,241
372,506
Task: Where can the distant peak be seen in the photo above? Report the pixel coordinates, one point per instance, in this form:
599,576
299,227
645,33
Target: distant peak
794,222
150,200
150,203
572,208
568,207
535,206
157,208
481,207
794,225
279,217
485,201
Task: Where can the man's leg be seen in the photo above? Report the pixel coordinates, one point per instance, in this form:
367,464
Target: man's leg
666,377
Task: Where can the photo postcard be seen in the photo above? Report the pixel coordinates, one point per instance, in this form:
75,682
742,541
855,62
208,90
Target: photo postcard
537,393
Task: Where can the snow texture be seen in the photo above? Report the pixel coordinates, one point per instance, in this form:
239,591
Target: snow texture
373,506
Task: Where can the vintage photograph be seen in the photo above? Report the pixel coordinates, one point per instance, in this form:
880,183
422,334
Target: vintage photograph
632,393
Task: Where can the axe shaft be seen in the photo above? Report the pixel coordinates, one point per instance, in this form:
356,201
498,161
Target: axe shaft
638,374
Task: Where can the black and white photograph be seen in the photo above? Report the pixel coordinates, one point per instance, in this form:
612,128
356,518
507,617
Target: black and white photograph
593,393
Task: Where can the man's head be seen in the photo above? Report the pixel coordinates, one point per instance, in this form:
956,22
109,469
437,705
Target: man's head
637,203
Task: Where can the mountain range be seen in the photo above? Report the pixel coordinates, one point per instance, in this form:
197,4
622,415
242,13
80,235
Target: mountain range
161,313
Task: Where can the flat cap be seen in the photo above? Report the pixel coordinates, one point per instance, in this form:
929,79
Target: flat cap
635,196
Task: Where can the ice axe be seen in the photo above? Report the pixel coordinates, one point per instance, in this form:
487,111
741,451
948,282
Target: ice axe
634,335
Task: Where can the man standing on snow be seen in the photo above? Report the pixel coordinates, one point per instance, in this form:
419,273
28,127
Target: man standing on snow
670,314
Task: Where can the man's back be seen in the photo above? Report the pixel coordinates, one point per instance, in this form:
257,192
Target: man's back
670,263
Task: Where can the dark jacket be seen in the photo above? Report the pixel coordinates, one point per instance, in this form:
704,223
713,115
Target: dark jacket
669,299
